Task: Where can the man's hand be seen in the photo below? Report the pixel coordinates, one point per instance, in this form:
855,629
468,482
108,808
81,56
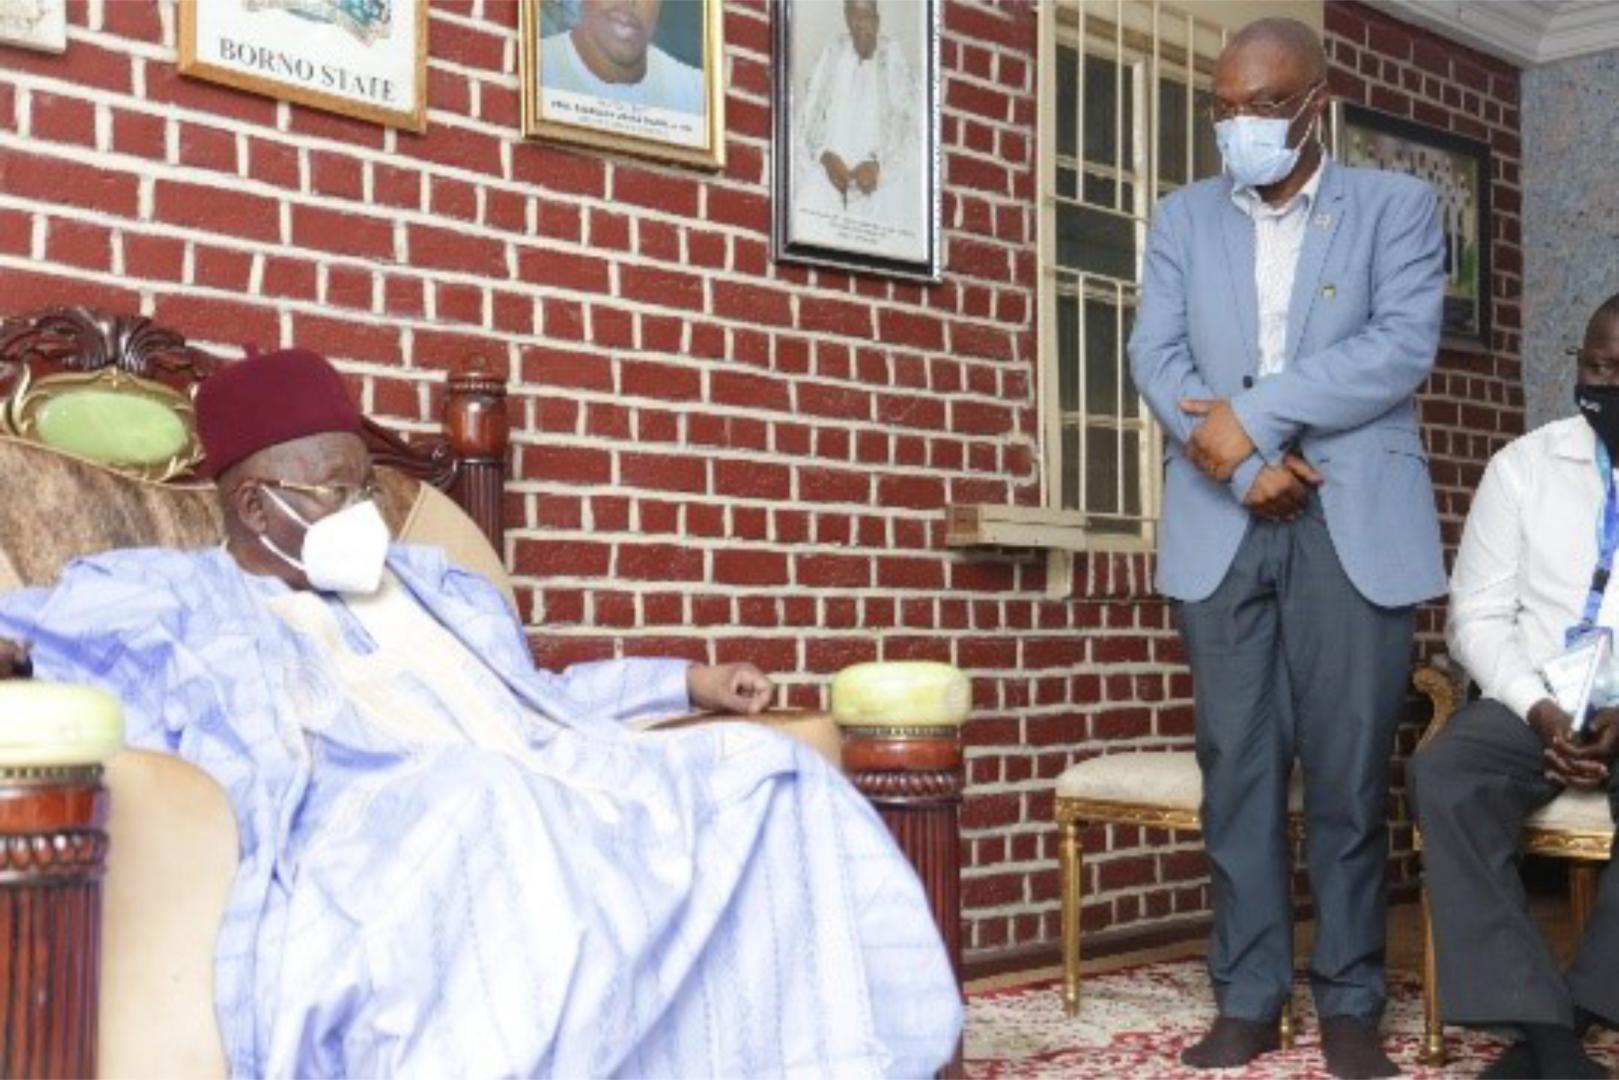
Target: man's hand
14,660
730,688
866,175
1276,495
836,171
1218,444
1569,763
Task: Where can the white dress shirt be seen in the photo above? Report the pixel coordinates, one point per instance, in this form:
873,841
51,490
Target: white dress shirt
1278,239
1525,565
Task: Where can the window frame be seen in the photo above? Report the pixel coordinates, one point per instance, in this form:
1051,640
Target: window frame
1140,69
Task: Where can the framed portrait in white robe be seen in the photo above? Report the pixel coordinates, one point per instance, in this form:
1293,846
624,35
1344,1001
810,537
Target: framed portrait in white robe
34,24
857,135
639,77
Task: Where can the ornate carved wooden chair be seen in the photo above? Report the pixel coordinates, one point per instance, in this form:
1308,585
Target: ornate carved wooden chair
96,443
1577,825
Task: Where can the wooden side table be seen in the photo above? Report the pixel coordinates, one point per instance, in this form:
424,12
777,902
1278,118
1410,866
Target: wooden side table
909,765
53,847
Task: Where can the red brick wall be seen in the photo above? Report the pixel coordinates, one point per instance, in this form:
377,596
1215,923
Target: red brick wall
717,456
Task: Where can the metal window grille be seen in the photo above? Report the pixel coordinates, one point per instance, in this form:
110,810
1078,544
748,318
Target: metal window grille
1123,121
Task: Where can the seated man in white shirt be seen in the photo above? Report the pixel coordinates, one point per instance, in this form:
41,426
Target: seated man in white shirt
1530,579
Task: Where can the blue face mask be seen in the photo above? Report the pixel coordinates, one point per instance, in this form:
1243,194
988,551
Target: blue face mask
1255,150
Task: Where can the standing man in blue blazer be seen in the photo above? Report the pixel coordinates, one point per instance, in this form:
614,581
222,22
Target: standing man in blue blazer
1289,311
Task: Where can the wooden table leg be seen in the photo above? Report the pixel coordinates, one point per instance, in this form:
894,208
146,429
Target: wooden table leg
914,779
53,847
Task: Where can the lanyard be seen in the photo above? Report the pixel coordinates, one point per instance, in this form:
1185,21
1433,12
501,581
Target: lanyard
1607,544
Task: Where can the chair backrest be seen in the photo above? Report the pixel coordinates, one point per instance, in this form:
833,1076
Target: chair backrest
98,443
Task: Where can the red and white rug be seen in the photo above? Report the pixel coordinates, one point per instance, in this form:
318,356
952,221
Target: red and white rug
1134,1023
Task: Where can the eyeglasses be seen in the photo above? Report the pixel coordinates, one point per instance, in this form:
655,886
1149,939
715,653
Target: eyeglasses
1265,110
344,495
1604,365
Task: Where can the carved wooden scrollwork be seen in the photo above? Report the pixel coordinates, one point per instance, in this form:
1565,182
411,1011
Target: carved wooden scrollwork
82,339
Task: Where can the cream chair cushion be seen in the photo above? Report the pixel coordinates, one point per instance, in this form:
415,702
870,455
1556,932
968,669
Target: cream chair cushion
1169,781
1574,811
436,520
170,863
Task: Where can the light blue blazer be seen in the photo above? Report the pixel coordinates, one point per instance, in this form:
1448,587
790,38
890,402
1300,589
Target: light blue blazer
1363,327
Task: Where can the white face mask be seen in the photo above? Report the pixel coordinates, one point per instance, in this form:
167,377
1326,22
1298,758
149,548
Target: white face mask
343,552
1255,150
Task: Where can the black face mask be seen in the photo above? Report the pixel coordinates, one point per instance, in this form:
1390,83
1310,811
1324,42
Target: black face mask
1600,407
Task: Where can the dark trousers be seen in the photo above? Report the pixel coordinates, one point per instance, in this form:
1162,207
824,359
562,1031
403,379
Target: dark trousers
1290,661
1473,786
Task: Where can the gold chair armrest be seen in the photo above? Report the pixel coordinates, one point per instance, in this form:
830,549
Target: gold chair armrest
1441,691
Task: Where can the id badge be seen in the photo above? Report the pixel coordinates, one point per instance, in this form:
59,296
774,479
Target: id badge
1578,677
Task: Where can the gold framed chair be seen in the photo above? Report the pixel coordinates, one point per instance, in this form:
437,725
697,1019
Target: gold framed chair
1152,790
1161,791
1576,826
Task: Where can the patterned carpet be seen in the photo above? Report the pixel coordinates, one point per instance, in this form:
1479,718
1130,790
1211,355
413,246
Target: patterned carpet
1134,1023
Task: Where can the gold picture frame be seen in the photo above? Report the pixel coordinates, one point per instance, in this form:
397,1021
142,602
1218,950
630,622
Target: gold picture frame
308,53
576,116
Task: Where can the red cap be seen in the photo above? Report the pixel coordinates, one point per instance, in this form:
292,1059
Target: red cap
270,398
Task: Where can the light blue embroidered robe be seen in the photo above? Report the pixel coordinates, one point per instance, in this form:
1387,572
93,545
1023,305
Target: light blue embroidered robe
716,901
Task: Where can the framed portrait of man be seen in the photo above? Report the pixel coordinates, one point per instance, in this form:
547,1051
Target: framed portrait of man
360,58
634,76
857,135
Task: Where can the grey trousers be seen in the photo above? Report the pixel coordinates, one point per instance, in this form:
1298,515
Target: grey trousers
1290,661
1474,785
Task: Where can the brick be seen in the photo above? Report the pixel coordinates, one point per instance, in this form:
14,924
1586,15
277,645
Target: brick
741,209
670,382
78,244
445,249
229,269
561,558
50,180
752,479
750,566
655,190
822,315
752,303
563,270
138,134
349,339
658,562
207,148
559,170
160,258
209,319
832,485
668,288
661,472
343,233
57,118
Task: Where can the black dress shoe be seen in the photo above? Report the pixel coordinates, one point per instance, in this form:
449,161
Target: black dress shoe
1354,1049
1231,1042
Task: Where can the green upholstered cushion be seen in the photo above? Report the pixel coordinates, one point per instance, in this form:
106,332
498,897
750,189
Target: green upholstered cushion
111,428
52,724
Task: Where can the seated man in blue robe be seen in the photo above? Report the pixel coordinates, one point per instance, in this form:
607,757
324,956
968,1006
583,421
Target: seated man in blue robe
453,863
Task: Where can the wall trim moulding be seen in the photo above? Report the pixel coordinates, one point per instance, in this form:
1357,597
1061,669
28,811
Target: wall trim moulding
1524,32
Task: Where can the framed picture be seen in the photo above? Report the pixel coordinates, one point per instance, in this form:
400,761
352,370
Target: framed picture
361,58
1459,170
34,24
857,135
634,76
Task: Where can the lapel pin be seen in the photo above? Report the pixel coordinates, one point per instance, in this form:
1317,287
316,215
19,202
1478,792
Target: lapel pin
1329,291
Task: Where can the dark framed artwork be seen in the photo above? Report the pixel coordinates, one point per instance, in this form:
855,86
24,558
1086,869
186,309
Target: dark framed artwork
1460,171
642,78
857,135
